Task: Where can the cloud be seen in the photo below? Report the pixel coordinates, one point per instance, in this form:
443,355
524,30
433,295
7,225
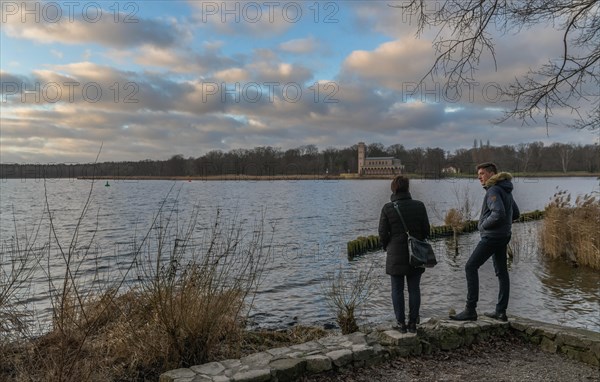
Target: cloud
391,64
247,18
103,30
194,93
57,53
299,46
232,75
178,60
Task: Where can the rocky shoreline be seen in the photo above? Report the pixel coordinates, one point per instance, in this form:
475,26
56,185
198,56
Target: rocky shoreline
508,359
348,357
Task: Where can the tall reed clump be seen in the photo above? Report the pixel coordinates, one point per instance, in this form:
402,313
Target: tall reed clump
181,298
346,291
570,230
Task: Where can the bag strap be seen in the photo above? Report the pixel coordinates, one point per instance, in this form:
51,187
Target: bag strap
401,218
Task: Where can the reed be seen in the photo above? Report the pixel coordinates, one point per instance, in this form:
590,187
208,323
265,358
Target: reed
570,229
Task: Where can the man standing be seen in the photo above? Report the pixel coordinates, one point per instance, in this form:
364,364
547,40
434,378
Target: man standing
495,223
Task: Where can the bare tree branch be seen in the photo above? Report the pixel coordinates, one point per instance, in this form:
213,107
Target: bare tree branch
465,36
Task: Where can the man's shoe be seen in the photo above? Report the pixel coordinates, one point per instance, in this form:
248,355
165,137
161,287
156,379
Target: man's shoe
465,315
412,327
497,316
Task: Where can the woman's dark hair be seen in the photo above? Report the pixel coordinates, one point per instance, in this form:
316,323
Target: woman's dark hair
400,184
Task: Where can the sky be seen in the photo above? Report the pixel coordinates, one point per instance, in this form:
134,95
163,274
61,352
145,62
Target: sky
152,79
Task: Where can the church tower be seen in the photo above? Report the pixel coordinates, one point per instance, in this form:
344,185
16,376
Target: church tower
361,157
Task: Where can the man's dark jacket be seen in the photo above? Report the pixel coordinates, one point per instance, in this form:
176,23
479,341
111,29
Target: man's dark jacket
499,209
393,235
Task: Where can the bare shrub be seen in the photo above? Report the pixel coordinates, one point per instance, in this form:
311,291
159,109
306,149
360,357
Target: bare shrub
346,292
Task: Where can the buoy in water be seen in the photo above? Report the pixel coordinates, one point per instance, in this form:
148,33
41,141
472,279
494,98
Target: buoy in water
107,185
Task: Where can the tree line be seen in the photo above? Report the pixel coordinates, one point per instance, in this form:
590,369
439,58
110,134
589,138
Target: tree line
532,157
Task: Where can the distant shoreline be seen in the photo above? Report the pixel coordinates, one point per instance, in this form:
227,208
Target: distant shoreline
230,177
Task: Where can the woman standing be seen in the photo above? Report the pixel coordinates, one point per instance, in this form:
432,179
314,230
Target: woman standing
395,241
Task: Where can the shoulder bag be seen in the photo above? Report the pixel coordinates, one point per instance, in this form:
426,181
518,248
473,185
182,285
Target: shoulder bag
421,253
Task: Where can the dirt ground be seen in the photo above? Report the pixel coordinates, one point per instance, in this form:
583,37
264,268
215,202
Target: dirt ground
498,360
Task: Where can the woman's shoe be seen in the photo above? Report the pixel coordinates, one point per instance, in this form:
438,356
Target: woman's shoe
400,326
412,327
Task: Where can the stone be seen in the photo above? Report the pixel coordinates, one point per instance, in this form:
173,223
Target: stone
257,359
595,348
362,352
357,338
548,345
573,339
518,325
589,358
333,343
279,352
231,363
571,352
471,328
549,331
173,375
488,325
307,346
394,337
260,375
318,364
535,339
340,358
532,331
288,369
426,347
446,338
211,368
482,336
449,340
221,378
457,326
296,354
201,378
429,321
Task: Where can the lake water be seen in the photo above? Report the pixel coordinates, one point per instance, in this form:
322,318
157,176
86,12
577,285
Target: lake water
313,221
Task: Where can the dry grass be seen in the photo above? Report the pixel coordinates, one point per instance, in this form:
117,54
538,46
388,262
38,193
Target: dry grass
570,229
188,306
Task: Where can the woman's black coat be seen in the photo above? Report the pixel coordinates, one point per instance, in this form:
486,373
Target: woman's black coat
393,236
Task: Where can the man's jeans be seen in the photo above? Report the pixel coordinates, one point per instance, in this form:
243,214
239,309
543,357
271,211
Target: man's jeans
414,296
488,247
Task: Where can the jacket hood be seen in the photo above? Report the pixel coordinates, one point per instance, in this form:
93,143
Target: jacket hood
502,179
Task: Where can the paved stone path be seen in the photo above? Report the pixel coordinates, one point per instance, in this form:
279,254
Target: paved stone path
366,349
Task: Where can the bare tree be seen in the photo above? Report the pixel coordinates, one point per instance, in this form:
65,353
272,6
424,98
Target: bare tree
466,30
565,152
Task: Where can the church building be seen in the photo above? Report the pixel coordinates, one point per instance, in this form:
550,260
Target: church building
377,165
